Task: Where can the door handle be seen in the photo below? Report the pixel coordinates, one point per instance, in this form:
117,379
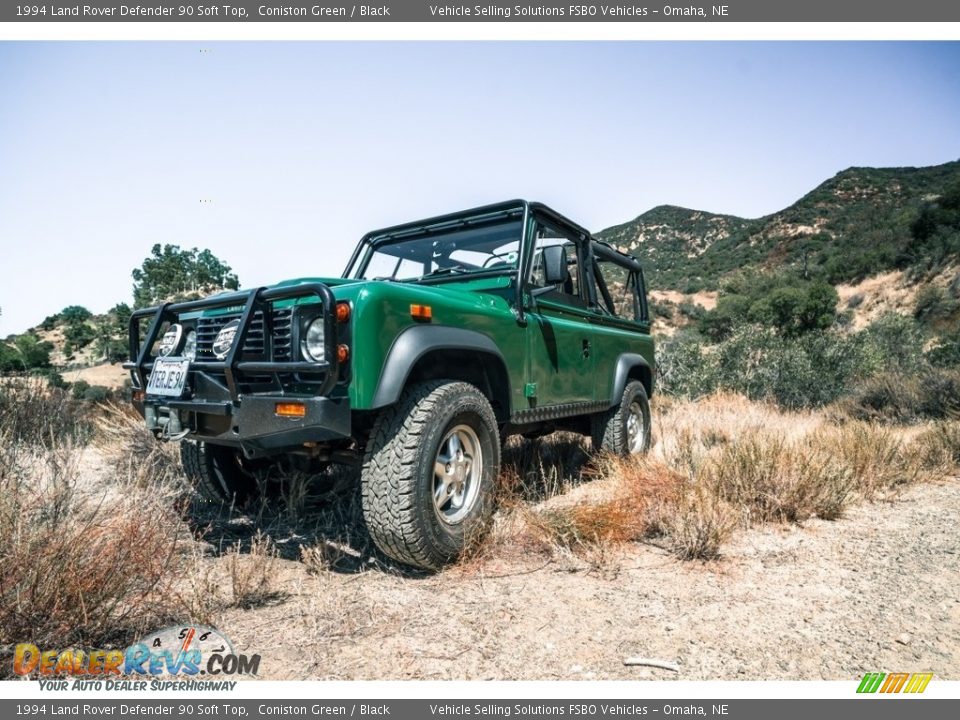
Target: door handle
586,348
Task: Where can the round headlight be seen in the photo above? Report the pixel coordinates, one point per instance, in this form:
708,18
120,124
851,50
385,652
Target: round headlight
224,339
312,345
190,346
170,342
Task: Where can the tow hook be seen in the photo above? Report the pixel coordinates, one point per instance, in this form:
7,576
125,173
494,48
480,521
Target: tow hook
166,428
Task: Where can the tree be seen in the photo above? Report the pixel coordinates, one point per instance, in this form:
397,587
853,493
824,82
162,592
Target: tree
797,309
786,302
112,333
121,313
25,352
170,273
75,314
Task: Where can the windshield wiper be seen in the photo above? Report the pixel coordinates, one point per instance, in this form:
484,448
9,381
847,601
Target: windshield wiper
449,269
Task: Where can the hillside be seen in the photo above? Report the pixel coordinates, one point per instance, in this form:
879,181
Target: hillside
856,224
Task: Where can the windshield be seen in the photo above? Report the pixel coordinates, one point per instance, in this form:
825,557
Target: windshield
493,246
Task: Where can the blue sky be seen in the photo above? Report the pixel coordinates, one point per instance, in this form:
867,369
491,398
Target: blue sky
299,148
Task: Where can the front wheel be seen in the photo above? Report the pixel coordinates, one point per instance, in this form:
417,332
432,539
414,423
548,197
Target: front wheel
429,472
217,472
624,429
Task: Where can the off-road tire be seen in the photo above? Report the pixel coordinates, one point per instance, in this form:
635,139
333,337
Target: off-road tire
397,480
610,430
217,472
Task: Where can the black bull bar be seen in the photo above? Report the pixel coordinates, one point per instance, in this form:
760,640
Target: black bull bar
232,365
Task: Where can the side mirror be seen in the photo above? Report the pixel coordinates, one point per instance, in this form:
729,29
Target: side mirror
555,265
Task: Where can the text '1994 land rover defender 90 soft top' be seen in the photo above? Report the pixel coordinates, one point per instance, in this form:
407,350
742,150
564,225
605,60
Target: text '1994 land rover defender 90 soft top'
442,338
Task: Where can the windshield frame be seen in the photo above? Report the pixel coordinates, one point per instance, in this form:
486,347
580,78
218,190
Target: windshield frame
501,214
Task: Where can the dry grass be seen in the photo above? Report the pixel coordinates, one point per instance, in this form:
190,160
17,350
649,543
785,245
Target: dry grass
34,414
131,449
696,524
94,550
87,563
252,572
720,464
937,449
933,394
197,592
78,564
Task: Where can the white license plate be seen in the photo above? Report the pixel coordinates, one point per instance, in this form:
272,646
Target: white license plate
168,377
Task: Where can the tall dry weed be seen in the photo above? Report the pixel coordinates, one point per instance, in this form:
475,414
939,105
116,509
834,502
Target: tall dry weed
253,572
725,462
78,564
134,453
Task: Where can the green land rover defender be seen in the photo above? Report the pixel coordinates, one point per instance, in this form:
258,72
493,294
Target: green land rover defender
443,337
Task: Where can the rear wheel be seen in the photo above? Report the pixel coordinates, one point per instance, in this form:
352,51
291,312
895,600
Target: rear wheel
624,429
429,472
217,472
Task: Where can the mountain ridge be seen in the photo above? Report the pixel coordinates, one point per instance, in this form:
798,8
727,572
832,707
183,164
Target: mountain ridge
850,226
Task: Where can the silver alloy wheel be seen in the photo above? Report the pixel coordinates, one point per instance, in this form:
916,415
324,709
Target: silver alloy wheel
457,473
636,428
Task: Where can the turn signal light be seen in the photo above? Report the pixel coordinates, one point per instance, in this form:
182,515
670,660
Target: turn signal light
139,395
294,410
421,312
343,312
343,354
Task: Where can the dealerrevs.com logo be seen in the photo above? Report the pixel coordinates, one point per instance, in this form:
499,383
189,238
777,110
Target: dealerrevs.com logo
888,683
181,654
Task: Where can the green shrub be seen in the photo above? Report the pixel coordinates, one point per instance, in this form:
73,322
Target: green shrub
79,335
786,302
23,353
812,369
946,353
683,368
75,314
97,394
935,306
79,388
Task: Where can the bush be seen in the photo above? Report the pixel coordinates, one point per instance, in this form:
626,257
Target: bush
938,447
946,352
785,302
892,341
78,568
776,480
79,388
698,524
34,414
899,397
97,394
74,314
56,380
805,371
79,335
683,367
24,353
814,368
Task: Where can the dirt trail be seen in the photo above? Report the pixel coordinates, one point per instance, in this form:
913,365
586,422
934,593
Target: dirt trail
876,591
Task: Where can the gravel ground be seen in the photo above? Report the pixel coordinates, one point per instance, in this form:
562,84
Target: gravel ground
878,590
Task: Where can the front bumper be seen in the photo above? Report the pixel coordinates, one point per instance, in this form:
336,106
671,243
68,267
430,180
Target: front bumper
252,424
219,405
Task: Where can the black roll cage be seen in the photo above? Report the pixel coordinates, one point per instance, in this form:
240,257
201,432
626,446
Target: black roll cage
510,208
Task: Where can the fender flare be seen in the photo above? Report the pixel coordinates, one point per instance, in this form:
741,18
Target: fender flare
415,342
625,363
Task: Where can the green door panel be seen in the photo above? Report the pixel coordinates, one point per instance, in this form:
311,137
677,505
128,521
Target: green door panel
561,358
612,337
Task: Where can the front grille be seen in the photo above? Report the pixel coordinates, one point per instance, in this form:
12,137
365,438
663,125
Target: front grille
253,346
